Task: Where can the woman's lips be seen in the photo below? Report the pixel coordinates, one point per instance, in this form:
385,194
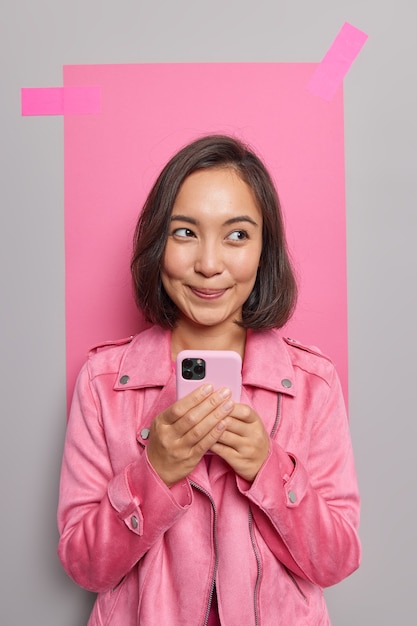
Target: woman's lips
208,294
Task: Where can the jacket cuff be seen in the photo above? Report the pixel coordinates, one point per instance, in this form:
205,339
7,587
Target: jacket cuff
138,493
280,465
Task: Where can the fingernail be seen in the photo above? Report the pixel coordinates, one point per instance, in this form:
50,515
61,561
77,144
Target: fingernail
206,390
224,393
227,405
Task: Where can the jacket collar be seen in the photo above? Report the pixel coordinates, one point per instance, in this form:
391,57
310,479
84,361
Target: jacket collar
267,363
147,362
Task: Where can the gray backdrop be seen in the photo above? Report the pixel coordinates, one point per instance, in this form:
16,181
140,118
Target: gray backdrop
36,40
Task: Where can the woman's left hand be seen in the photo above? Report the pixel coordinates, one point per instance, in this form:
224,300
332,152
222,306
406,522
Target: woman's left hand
244,445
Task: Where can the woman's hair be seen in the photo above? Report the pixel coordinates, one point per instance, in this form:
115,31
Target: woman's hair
273,297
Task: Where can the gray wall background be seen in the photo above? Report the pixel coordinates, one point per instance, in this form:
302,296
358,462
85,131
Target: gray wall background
36,40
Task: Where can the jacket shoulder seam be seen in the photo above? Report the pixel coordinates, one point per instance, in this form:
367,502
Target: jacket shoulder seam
306,348
300,359
106,345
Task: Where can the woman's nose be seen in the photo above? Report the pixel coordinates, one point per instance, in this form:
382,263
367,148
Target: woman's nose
208,260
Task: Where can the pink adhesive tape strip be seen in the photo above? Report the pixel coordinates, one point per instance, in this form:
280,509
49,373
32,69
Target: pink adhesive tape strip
82,100
330,73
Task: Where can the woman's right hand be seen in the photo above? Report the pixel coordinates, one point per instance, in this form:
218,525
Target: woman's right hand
185,431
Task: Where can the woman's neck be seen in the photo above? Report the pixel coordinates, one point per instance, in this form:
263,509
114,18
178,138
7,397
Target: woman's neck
195,337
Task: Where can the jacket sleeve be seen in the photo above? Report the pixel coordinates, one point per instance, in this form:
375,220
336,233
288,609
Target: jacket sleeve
108,520
307,511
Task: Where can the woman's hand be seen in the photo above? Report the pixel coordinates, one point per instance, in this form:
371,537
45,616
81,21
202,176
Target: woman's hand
184,432
244,444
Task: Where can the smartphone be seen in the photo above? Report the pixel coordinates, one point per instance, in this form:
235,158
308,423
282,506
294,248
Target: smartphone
221,368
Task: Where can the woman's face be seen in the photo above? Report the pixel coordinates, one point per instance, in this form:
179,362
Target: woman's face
213,248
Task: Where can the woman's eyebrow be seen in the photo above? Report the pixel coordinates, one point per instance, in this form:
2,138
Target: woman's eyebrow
240,218
229,222
184,218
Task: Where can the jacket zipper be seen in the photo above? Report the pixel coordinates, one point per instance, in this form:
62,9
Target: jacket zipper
251,532
296,585
277,416
216,563
258,566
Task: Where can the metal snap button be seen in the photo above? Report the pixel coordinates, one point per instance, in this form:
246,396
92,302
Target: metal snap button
124,379
134,521
292,497
144,433
286,383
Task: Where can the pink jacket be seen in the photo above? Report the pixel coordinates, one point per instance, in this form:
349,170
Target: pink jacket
153,554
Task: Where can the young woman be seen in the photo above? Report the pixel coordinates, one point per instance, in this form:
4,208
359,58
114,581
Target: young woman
205,510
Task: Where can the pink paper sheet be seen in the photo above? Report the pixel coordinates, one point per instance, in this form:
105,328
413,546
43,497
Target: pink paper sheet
329,74
148,112
83,100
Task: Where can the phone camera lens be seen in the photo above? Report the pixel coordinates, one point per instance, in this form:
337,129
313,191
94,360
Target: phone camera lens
187,363
199,369
187,374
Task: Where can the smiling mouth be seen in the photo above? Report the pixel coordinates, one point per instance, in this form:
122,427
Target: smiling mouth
208,294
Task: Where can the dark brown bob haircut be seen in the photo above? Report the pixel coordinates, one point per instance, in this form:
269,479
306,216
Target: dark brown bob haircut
273,298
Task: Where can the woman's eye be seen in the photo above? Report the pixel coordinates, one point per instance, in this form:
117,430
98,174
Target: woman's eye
183,232
238,235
